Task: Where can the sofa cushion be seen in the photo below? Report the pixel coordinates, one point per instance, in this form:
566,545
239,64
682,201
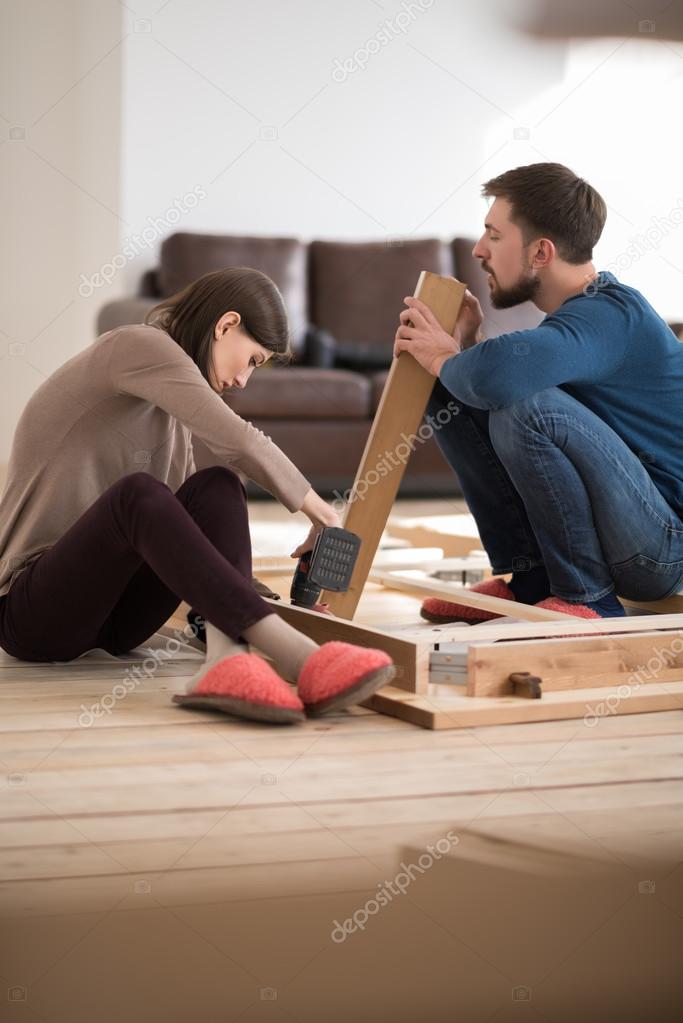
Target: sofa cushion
363,355
357,291
300,393
186,256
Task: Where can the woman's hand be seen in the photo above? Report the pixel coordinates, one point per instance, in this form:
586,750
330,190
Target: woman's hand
321,514
421,334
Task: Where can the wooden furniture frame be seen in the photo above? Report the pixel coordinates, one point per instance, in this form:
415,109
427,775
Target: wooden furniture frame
588,669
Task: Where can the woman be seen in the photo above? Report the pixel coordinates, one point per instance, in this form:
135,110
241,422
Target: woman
105,524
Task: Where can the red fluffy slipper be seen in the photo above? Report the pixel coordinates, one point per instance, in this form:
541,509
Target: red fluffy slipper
340,674
247,687
578,610
443,612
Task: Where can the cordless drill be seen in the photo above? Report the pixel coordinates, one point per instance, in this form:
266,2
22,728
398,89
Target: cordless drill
328,566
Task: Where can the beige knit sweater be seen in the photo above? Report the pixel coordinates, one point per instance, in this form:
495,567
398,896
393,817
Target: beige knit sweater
130,402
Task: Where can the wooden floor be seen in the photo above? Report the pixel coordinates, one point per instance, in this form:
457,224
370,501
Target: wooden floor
161,864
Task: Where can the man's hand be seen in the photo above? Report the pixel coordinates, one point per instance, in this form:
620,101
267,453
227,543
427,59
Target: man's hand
421,334
469,321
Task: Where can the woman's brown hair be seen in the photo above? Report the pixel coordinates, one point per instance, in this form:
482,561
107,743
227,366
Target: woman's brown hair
190,316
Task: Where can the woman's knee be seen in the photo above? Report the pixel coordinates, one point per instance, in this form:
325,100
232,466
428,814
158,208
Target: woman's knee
139,483
137,490
217,477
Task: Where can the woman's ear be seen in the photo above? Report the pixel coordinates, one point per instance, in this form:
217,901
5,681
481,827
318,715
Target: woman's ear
227,320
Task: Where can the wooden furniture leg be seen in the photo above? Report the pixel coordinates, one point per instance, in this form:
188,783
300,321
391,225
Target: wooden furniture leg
394,430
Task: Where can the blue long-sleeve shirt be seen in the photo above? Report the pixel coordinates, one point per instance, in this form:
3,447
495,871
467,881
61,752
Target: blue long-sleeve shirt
611,351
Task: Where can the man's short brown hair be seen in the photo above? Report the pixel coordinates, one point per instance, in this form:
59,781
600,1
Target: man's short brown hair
548,200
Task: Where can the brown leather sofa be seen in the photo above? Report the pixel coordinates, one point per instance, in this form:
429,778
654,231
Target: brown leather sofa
344,301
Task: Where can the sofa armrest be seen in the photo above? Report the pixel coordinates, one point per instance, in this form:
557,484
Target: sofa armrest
122,311
149,285
319,348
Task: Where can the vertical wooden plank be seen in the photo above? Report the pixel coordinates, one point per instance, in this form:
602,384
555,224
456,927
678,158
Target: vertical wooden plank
400,411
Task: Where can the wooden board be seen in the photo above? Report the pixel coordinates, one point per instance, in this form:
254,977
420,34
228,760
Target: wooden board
441,708
456,534
668,605
411,582
579,663
412,659
509,629
398,416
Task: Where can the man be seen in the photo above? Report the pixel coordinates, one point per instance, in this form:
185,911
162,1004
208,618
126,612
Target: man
568,442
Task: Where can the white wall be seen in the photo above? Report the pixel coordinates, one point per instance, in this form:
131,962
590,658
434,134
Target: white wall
60,98
395,149
239,100
401,147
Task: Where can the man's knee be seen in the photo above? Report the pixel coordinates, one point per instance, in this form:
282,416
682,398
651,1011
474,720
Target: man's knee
504,422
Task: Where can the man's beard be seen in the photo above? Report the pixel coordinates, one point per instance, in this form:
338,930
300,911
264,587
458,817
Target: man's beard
525,289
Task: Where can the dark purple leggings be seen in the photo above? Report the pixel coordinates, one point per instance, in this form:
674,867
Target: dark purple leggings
124,566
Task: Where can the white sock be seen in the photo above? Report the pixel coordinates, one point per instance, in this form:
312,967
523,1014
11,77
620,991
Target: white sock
286,646
218,646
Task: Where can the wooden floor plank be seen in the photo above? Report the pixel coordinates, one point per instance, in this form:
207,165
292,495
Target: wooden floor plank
202,803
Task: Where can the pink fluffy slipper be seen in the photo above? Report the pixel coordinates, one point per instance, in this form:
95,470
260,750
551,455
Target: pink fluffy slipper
247,687
434,609
340,674
578,610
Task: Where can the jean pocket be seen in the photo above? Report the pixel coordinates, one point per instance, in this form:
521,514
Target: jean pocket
643,578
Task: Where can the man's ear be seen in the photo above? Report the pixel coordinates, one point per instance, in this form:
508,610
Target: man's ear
543,252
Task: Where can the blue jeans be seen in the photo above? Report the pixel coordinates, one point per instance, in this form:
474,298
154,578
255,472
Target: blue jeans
549,483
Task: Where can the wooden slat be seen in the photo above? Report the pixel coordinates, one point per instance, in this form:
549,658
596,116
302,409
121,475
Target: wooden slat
410,583
668,605
420,534
512,630
400,411
445,710
579,663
